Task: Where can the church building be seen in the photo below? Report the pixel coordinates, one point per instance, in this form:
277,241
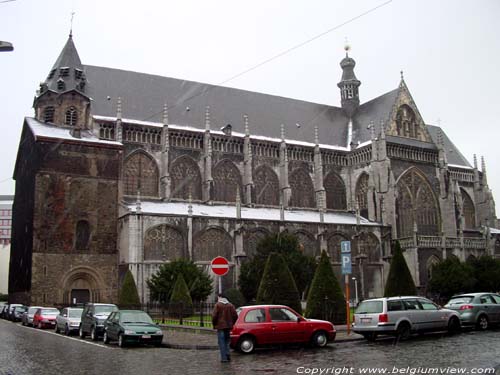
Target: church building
119,170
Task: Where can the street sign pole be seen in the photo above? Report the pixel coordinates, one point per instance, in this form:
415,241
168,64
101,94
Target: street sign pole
348,305
220,284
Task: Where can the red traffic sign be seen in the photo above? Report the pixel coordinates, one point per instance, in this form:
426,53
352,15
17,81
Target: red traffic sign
220,266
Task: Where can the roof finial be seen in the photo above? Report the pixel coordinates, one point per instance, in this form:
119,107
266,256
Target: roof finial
71,27
475,161
245,120
119,108
207,118
483,165
347,47
371,127
316,135
402,75
282,132
165,114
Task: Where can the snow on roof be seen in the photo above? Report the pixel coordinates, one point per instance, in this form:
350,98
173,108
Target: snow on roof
247,213
218,132
41,129
459,166
494,231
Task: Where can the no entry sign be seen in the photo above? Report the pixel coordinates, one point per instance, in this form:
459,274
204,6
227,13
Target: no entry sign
220,266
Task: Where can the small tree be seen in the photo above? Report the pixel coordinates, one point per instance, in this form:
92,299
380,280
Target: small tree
235,297
277,285
450,277
486,271
325,299
399,282
198,281
180,300
128,296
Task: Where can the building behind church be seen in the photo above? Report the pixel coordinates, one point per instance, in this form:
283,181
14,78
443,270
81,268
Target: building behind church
122,170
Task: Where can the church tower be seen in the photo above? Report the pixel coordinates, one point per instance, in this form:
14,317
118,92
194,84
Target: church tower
62,99
349,85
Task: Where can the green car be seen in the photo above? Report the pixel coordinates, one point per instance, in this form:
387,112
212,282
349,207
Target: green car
132,327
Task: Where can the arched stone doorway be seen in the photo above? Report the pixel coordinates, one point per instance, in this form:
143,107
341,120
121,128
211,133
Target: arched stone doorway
81,285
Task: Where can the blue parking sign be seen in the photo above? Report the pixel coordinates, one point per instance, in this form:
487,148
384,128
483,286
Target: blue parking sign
345,247
346,264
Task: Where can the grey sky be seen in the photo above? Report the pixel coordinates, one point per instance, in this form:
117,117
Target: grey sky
449,52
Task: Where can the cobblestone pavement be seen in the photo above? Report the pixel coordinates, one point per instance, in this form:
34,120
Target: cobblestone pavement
39,352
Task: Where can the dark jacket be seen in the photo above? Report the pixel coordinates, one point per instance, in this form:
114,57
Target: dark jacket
224,315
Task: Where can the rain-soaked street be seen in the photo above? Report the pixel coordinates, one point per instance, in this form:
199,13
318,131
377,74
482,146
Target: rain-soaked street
29,351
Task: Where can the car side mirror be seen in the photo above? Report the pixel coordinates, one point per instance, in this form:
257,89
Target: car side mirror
65,316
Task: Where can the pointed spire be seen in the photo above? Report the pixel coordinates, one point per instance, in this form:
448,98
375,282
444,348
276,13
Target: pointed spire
238,203
440,141
382,129
316,135
207,118
165,114
190,203
119,108
71,27
349,85
371,126
247,129
475,161
483,170
138,208
283,132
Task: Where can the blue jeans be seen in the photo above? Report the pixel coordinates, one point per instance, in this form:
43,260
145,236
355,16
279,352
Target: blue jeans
223,338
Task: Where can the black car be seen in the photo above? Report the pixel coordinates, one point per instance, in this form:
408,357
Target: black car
93,317
17,313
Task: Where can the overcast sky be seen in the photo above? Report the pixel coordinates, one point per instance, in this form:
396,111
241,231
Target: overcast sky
449,52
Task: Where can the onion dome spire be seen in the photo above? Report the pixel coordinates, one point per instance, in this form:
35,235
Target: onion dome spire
349,84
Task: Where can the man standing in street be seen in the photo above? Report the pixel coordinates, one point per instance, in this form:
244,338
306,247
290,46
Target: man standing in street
223,318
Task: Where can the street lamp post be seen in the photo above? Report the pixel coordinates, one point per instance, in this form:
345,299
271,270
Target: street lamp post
356,289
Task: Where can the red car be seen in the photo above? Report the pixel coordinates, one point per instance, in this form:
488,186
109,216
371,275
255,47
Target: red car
277,324
45,317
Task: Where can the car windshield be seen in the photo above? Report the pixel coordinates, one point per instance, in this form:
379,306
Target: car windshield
459,300
75,313
50,311
135,317
21,309
105,309
369,307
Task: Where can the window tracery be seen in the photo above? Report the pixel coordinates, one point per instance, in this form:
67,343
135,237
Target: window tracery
267,186
307,243
140,174
163,242
211,243
333,246
406,124
362,194
71,116
227,180
48,114
186,179
335,192
251,240
468,210
302,189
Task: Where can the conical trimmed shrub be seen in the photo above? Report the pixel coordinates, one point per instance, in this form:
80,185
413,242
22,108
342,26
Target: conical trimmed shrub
277,285
399,282
180,301
325,299
128,296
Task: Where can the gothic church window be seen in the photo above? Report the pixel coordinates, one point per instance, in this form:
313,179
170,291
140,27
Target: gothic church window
266,186
71,116
211,243
431,262
362,194
163,242
333,246
335,192
406,124
302,189
186,178
227,180
250,241
140,174
368,245
307,243
416,204
468,210
48,114
82,235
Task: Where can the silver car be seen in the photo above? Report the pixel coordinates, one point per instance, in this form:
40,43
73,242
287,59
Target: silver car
476,309
402,316
69,320
27,318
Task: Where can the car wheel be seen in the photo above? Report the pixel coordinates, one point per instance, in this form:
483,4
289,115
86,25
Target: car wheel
105,338
246,344
453,325
121,341
66,330
81,333
93,334
482,323
403,332
370,336
320,339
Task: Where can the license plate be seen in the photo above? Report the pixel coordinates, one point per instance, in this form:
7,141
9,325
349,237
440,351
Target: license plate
366,320
146,336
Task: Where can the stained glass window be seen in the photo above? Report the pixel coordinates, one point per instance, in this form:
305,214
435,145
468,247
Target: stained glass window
140,173
211,243
267,186
335,192
227,180
362,194
468,210
186,178
163,242
302,189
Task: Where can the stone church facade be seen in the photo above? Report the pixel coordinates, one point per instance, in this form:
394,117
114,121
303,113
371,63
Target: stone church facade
122,170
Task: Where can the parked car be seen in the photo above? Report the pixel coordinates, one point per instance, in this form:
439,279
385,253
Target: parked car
476,309
27,318
45,317
131,327
10,311
402,316
277,324
3,311
93,317
17,313
68,320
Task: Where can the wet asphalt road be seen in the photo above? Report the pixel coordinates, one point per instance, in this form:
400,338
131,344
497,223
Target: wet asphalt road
28,351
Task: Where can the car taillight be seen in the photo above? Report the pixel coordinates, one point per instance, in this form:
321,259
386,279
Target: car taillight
383,318
466,307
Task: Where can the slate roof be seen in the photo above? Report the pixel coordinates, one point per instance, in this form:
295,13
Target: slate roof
453,155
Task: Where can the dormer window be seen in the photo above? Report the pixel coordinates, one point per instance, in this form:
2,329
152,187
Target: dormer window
48,114
60,84
406,124
71,116
51,74
78,74
64,72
